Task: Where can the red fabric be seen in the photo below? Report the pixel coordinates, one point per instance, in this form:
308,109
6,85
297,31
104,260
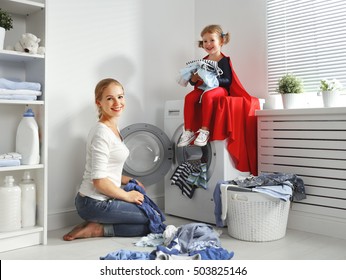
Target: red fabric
193,108
234,119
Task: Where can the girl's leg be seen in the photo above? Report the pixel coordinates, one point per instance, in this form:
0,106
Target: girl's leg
190,104
208,101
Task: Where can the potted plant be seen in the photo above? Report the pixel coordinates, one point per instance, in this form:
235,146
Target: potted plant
6,23
290,87
330,92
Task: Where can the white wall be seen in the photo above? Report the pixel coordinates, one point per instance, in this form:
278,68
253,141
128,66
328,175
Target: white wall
245,20
143,44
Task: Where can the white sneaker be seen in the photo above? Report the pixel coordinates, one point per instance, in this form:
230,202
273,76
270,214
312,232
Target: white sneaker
202,138
186,138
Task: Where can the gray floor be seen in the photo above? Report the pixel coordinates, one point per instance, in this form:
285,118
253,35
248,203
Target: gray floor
296,245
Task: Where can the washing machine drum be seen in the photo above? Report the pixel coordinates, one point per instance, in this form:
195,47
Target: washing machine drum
150,153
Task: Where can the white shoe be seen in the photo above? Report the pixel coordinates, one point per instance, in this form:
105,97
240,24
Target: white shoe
186,138
202,138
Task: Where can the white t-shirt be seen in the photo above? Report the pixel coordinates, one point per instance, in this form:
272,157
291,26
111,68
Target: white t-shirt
105,158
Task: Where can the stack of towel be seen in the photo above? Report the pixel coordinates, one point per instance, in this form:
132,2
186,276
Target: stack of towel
13,90
10,159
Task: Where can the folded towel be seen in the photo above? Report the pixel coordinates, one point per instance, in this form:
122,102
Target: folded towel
17,97
9,162
12,155
8,84
20,92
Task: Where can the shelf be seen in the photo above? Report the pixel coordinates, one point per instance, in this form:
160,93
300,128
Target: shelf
21,167
22,102
21,7
20,232
15,56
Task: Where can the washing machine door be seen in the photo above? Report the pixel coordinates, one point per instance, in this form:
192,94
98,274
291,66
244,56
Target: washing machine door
150,153
205,154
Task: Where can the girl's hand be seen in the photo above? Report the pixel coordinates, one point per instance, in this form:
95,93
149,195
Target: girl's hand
195,77
134,197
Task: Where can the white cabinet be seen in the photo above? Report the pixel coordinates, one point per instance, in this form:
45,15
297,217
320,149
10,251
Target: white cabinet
312,144
29,17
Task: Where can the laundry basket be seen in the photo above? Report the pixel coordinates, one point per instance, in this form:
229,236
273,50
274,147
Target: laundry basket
253,216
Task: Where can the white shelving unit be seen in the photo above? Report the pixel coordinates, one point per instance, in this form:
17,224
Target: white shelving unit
28,16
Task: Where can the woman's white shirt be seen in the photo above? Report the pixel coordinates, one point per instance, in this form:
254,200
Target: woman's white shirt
105,158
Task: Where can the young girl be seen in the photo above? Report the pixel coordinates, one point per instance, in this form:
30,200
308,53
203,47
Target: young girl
213,38
108,210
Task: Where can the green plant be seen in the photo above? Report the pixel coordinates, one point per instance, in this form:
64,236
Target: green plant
330,85
5,20
290,84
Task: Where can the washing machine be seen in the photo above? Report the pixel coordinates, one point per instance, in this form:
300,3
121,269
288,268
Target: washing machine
219,167
154,157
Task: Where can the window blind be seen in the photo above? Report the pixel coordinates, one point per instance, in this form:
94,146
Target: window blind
306,38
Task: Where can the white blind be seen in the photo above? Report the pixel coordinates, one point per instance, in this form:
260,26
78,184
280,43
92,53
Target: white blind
308,39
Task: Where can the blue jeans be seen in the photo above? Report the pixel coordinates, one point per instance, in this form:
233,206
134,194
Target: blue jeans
119,218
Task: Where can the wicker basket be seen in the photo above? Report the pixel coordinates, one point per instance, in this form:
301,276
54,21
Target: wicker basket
254,216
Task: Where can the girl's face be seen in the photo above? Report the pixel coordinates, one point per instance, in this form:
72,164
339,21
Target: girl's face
112,102
212,43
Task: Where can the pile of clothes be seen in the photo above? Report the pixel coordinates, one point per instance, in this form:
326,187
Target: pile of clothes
194,241
18,90
284,186
190,175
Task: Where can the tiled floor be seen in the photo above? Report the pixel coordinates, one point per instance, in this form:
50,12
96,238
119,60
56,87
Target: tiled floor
296,245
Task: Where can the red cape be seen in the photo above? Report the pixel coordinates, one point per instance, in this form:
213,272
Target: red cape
235,120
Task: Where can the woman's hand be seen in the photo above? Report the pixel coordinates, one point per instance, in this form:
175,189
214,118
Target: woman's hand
134,197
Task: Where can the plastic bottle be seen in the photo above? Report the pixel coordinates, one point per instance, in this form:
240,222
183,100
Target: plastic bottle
28,188
10,205
27,139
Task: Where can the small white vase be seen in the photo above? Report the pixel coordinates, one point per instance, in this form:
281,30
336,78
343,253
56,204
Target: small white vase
331,98
2,37
293,100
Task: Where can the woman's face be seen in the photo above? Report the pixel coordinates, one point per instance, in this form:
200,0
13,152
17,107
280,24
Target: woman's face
112,102
212,43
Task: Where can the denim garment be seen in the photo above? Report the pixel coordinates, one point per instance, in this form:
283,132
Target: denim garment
118,217
152,211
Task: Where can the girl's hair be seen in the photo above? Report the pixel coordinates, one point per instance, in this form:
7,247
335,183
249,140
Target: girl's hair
214,28
100,88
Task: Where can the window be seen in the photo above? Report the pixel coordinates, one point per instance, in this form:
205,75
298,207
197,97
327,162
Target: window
308,39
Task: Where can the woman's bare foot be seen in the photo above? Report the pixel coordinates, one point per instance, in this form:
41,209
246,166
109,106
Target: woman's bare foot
85,230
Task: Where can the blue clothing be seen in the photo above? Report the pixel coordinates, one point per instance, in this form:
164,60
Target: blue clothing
214,254
218,204
126,255
207,70
153,212
119,218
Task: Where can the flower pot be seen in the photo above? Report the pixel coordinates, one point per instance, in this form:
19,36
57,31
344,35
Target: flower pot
2,37
331,98
293,100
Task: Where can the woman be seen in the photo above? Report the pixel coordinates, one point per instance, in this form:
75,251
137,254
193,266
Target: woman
107,209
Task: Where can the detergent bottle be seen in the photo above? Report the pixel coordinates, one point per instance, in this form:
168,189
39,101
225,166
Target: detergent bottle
28,202
27,139
10,205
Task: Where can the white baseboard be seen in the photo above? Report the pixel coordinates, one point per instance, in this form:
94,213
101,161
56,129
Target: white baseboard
63,219
318,224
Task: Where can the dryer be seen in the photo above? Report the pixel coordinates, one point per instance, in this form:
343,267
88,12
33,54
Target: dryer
219,164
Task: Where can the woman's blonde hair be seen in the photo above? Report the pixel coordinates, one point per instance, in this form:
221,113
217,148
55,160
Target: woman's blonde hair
100,88
214,28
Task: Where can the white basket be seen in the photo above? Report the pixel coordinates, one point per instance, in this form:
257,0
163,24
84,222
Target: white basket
254,216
